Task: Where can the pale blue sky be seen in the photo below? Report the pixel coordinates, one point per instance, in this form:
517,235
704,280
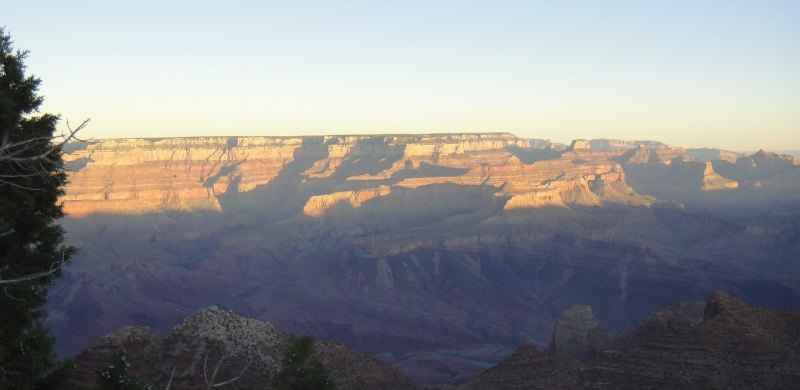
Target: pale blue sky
690,73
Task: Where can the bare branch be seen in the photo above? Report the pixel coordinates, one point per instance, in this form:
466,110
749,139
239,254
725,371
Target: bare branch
171,375
12,151
20,186
17,156
54,268
6,373
211,384
246,366
5,290
29,277
205,370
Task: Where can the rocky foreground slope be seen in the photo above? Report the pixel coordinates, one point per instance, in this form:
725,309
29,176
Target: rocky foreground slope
718,344
437,253
721,343
215,346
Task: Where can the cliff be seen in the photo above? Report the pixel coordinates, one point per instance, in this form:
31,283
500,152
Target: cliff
727,345
433,252
140,176
135,176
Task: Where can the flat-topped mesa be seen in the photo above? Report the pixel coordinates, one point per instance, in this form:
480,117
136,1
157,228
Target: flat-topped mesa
712,154
618,144
136,176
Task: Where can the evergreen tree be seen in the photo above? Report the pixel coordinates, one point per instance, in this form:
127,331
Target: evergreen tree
31,243
301,369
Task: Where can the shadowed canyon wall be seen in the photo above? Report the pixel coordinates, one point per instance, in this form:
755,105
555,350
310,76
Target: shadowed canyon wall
436,253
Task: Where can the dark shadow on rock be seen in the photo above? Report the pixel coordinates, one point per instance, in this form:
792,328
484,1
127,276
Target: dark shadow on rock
530,156
369,156
279,198
428,170
75,146
426,207
78,164
225,170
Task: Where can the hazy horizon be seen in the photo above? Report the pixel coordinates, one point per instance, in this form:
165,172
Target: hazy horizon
689,74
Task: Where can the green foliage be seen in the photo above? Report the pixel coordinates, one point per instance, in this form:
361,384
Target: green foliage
301,369
31,244
114,375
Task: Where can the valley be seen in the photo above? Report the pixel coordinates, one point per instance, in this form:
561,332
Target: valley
439,254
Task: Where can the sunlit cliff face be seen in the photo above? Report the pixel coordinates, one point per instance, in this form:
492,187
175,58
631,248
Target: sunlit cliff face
134,176
417,244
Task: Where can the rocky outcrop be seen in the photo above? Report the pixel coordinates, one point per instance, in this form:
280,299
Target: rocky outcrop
214,346
318,205
103,350
433,252
577,335
681,316
712,181
733,346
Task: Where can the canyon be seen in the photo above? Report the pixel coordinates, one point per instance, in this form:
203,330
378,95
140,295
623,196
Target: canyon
438,254
721,343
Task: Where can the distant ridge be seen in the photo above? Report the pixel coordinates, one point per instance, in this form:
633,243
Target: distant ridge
435,253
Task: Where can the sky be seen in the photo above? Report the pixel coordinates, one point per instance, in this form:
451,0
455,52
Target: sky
693,73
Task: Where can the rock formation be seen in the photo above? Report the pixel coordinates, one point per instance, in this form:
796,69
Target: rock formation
135,176
731,345
577,335
214,341
434,252
710,154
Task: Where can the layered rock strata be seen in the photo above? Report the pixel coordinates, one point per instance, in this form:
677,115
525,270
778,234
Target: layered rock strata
435,252
726,344
134,176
